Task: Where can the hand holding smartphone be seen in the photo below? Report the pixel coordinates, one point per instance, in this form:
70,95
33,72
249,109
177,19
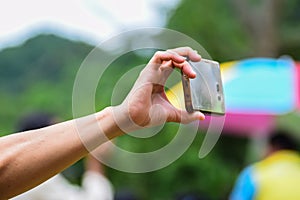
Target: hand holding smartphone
205,92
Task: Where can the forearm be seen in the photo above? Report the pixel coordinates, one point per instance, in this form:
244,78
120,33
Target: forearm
29,158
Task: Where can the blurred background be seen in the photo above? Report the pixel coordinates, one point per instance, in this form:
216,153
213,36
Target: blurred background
43,43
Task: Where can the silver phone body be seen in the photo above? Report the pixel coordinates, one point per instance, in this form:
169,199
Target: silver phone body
205,92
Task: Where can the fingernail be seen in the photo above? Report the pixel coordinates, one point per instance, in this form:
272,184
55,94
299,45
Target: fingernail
194,73
202,116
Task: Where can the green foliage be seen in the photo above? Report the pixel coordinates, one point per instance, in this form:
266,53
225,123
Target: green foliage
218,27
212,176
289,29
214,25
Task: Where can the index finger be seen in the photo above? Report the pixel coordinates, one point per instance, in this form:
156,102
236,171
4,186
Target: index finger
161,56
188,52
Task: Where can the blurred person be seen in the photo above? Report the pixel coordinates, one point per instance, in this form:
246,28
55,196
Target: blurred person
29,158
276,177
94,183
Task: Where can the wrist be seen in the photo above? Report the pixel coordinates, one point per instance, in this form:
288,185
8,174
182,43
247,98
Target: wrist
122,119
107,122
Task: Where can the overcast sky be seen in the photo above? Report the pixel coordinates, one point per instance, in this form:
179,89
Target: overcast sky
88,20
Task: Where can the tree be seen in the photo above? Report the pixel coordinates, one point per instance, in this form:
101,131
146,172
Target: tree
235,29
261,20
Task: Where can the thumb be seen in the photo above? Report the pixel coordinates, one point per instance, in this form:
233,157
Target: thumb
190,117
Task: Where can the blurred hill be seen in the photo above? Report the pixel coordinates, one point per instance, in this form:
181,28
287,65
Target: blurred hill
38,75
46,58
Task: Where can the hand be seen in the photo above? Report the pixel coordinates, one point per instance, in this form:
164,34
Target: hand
147,104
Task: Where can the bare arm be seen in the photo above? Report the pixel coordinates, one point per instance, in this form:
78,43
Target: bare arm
29,158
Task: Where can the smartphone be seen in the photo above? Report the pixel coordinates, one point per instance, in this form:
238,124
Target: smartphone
205,92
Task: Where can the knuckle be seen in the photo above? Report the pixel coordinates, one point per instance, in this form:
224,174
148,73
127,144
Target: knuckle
188,48
158,53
